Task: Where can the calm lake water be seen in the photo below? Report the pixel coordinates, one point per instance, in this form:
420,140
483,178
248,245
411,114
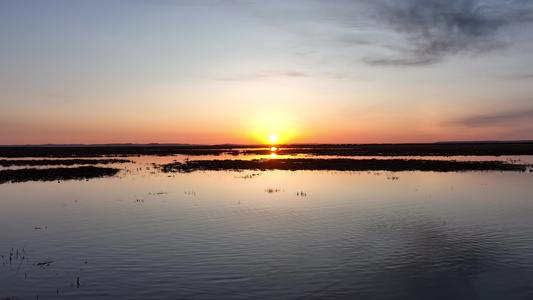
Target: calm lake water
269,235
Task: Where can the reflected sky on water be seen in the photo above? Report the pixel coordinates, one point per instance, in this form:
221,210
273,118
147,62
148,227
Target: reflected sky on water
273,234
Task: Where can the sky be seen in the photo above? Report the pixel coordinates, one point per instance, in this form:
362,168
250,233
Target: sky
238,71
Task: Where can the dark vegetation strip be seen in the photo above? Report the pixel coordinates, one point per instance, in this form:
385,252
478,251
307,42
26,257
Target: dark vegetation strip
342,164
120,151
435,149
60,162
52,174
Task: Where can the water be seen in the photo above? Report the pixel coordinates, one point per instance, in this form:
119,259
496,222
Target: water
269,235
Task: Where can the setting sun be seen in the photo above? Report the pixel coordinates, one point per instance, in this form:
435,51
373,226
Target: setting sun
273,138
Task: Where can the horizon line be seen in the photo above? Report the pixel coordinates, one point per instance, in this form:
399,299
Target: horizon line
264,144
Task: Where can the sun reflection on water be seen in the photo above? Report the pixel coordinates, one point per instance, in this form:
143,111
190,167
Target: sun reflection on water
273,153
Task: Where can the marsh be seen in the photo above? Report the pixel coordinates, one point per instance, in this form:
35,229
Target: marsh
144,233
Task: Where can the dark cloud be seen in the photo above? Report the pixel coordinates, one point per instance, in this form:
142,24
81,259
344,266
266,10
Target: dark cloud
438,28
498,118
425,32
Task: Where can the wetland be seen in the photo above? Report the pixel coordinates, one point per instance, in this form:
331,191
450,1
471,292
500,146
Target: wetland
242,222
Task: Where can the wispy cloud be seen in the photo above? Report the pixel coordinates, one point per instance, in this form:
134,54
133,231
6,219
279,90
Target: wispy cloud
264,75
276,74
520,76
424,32
400,62
497,119
195,3
438,28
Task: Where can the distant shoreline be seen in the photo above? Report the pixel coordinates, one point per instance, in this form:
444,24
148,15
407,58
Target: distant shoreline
423,149
187,145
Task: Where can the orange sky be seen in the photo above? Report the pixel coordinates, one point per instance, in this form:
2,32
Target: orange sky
237,72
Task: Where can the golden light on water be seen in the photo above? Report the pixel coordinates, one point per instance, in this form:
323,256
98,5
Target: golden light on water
273,149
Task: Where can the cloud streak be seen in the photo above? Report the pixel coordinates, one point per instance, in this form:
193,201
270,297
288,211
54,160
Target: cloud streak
498,119
520,76
264,75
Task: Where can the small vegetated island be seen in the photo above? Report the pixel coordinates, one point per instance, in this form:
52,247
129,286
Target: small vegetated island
82,169
342,164
52,174
61,162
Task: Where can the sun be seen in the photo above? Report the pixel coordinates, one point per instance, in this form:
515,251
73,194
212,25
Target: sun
273,138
